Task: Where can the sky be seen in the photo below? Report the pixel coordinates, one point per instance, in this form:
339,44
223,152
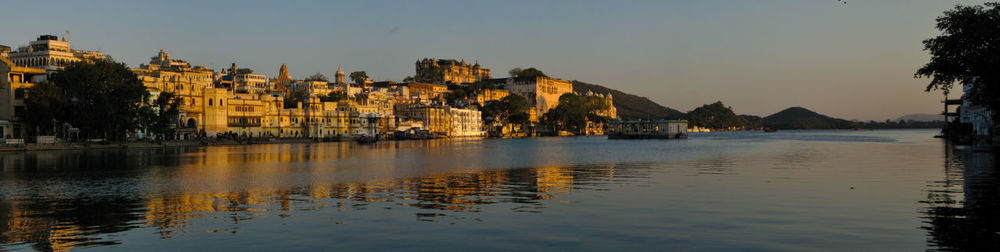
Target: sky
853,61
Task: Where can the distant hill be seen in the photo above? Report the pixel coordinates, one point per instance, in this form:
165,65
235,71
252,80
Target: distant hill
718,116
630,106
921,118
802,118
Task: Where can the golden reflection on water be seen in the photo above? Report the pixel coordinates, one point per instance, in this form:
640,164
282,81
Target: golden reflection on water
251,181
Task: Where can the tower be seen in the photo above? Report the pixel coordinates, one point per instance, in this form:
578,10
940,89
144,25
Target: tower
283,75
340,75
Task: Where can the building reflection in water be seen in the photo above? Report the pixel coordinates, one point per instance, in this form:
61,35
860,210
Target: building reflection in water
61,200
963,209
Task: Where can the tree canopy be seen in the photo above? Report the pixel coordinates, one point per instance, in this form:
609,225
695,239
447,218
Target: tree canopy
317,77
528,72
333,96
509,110
101,98
161,116
574,111
967,51
294,98
44,101
716,116
359,77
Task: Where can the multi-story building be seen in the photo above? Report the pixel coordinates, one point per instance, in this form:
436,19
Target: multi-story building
541,92
243,80
164,74
980,117
426,89
51,54
14,83
449,71
435,118
488,95
465,122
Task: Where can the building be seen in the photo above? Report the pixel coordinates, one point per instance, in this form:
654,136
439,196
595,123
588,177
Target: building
243,80
488,95
435,118
611,112
449,71
979,117
340,76
166,75
426,89
14,83
465,122
664,129
51,54
542,92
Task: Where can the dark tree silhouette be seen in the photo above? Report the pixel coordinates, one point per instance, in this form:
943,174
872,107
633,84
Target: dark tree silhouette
968,52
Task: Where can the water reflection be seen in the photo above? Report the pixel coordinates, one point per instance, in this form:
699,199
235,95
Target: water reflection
58,201
963,209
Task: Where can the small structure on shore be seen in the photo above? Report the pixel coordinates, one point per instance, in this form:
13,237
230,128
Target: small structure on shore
662,129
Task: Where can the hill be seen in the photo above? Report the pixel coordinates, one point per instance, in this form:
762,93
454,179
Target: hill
630,106
801,118
921,118
719,117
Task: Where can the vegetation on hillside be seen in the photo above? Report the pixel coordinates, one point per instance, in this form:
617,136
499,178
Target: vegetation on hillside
629,106
716,116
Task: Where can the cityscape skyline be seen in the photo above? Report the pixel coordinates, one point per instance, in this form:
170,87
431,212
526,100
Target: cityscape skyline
774,55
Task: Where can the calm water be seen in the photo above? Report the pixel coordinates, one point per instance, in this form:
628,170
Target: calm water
822,190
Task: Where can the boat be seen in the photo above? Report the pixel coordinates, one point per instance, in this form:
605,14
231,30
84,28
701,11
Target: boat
770,130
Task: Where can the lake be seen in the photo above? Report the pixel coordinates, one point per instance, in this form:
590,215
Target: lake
790,190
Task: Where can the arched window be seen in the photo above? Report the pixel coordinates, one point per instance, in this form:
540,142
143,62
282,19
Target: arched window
209,102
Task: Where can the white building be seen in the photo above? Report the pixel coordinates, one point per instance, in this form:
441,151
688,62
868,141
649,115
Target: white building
51,54
465,122
979,117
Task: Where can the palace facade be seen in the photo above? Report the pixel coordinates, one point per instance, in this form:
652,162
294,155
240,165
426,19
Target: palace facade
49,53
449,71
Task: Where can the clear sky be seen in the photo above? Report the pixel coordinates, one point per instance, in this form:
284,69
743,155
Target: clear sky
854,60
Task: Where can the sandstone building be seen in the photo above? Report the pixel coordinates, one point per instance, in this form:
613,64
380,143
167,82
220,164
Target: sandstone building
449,71
50,53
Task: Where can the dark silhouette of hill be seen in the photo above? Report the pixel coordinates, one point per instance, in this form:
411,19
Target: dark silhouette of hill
629,106
717,116
802,118
921,117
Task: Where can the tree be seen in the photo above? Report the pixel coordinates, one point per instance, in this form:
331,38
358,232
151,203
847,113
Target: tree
102,98
334,96
295,97
432,74
528,72
161,116
482,85
967,51
359,77
509,110
574,111
409,79
317,77
41,105
716,116
514,71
